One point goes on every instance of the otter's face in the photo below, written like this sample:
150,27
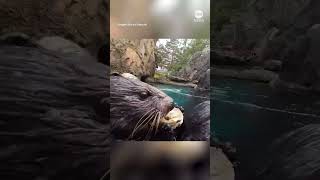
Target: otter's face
136,106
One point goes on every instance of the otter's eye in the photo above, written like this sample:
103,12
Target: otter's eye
145,94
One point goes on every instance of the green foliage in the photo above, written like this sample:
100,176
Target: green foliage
160,75
176,53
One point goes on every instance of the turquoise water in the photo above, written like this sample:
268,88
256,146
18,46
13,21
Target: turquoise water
183,96
251,114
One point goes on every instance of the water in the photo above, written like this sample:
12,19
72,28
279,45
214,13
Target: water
251,115
183,96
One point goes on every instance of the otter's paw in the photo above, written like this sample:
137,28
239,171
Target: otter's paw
173,119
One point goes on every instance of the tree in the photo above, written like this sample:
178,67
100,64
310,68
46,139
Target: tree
176,53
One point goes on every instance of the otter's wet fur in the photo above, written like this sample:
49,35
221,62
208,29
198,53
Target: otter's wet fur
53,109
294,156
196,126
136,108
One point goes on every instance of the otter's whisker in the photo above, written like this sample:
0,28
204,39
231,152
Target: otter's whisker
158,122
152,124
141,119
152,117
144,120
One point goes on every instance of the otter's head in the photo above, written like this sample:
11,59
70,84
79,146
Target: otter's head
136,107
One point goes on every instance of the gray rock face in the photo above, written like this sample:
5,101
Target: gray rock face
285,30
261,16
259,75
197,68
313,55
84,22
204,81
302,65
272,65
133,56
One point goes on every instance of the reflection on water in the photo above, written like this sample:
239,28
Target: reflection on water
245,111
183,96
251,115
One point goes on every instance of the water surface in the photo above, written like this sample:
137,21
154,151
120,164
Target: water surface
186,97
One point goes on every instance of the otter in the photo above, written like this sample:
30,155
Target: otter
138,110
53,110
294,155
196,126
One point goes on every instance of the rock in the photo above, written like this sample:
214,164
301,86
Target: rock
267,48
284,87
150,80
225,35
228,57
313,56
133,56
177,79
197,66
161,81
204,82
83,22
261,17
272,65
260,75
302,67
220,167
293,60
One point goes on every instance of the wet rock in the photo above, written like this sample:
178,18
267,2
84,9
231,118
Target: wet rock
260,75
313,55
257,74
177,79
228,57
272,65
204,81
267,45
220,167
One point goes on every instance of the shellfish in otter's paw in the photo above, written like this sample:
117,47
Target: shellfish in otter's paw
173,119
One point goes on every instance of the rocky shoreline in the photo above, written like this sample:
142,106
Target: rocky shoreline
164,81
259,75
